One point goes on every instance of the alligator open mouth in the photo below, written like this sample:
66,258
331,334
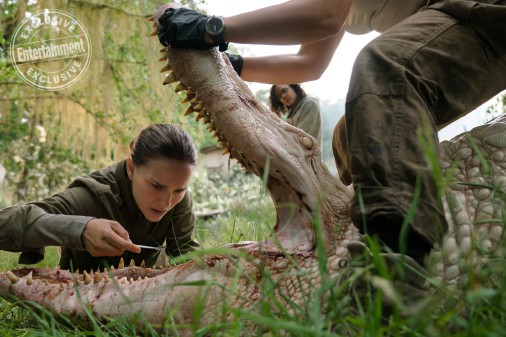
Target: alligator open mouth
260,141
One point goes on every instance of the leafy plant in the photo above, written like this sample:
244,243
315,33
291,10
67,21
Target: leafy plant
237,196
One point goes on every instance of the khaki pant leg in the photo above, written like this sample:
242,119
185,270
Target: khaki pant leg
339,148
429,69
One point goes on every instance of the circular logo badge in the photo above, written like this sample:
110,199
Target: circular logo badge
51,49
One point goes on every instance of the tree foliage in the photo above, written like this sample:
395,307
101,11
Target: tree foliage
48,137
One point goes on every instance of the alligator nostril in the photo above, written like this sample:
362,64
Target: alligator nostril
307,143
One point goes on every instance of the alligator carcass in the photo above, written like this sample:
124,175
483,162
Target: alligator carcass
313,225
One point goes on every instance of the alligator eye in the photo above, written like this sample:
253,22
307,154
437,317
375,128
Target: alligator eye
307,143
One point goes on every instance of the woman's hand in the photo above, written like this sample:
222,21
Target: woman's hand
103,237
181,27
160,11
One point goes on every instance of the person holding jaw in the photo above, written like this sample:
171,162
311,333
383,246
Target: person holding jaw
303,111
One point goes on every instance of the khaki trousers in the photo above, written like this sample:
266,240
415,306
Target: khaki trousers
425,72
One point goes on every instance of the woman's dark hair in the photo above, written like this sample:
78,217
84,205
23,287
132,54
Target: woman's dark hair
163,141
277,106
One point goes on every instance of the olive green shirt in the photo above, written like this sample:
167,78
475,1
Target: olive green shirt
60,220
306,116
379,15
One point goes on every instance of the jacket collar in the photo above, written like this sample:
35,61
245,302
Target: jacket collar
296,107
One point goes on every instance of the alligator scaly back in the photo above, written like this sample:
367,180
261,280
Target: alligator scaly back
474,166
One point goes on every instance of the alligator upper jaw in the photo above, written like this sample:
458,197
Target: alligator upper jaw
257,138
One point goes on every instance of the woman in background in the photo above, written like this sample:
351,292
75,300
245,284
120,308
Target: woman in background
303,110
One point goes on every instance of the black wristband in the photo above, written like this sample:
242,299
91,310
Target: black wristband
236,61
223,46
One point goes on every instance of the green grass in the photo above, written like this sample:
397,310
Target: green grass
478,309
10,260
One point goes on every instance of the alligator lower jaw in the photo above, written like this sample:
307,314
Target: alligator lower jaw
121,275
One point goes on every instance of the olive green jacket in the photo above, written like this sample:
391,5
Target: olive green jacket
306,116
59,221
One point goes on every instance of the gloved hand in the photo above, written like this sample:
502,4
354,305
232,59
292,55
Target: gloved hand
236,61
184,28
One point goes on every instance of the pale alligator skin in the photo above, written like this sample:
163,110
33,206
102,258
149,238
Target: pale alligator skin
302,189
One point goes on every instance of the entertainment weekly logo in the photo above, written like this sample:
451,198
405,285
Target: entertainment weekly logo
51,49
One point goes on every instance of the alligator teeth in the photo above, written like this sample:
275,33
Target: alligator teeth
167,67
131,280
188,97
143,264
200,115
162,50
13,278
96,277
123,280
194,100
207,119
163,58
198,107
227,151
189,111
29,279
132,263
86,277
180,87
171,78
151,18
106,278
154,33
121,264
189,91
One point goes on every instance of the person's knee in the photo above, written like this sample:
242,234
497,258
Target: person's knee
376,71
340,150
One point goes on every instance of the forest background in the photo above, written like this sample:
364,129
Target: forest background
47,138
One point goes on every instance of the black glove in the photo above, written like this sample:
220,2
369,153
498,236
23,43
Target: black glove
236,61
184,28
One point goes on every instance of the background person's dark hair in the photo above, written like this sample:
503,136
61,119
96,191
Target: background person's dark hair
163,141
277,106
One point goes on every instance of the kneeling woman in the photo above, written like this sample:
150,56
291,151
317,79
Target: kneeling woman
140,200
